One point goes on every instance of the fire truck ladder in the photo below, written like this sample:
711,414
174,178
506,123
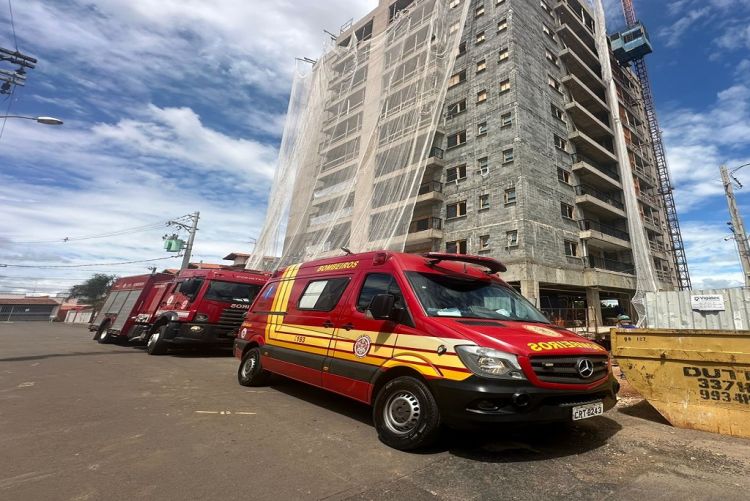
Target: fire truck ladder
665,184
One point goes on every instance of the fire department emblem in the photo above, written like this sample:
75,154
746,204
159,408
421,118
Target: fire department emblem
362,346
544,331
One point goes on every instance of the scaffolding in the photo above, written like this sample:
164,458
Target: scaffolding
360,127
641,47
646,278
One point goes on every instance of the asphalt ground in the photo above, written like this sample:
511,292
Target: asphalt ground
80,420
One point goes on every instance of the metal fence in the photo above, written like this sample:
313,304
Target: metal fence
79,317
26,312
673,310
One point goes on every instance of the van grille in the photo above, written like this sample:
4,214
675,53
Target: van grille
565,369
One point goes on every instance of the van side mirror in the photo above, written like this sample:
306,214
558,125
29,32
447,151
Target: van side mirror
382,307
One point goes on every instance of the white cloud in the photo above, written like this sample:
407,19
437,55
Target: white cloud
673,34
735,36
145,44
171,106
713,261
698,142
178,134
728,17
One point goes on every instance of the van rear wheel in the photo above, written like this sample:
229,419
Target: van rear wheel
250,372
406,414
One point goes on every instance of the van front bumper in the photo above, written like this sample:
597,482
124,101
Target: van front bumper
479,400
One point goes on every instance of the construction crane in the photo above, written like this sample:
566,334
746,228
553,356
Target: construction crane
631,46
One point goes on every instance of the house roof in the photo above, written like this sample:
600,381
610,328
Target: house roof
235,255
199,266
29,300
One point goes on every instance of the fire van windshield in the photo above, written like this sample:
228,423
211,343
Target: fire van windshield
447,296
231,292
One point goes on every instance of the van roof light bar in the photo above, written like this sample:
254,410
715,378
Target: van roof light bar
492,265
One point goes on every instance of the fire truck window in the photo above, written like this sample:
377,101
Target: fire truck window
231,292
323,295
191,286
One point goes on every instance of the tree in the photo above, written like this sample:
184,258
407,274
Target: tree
94,290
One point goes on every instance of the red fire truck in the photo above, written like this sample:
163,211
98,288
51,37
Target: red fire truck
127,297
204,307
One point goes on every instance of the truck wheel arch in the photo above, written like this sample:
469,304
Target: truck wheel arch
162,320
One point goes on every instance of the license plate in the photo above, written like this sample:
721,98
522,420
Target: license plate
588,410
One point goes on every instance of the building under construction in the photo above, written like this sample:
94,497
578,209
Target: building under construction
504,128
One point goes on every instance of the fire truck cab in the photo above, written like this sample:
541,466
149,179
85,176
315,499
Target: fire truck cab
426,340
199,307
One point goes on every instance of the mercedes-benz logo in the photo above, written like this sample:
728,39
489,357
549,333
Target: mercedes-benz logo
585,367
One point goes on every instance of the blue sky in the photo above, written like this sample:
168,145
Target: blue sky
172,106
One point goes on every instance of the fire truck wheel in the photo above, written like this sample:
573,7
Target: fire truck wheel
102,328
156,344
104,337
406,414
250,372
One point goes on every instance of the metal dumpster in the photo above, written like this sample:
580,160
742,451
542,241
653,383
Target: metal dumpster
697,379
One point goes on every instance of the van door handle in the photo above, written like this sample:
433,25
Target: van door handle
348,326
328,324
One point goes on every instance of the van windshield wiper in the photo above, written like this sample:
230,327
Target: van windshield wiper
529,321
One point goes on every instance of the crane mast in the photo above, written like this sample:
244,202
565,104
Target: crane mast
665,184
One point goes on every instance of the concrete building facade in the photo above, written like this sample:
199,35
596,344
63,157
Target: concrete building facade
522,166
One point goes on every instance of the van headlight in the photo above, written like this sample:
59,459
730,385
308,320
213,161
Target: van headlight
490,363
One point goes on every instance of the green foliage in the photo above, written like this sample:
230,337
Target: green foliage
94,290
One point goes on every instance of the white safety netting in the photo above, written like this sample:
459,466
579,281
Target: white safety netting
360,128
644,266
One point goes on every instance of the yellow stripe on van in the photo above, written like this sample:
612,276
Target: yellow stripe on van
281,300
300,347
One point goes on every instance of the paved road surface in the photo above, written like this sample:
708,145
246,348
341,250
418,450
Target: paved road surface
79,420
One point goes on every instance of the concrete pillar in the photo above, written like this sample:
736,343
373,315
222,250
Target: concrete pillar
530,290
594,308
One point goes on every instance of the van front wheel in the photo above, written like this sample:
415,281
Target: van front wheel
406,414
251,373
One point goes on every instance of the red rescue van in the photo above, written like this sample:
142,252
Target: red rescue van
426,340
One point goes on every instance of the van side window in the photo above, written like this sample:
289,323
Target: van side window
323,295
379,283
264,301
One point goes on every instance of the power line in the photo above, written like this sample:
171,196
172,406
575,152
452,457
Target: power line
5,265
13,24
115,233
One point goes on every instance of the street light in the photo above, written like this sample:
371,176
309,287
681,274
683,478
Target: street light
41,120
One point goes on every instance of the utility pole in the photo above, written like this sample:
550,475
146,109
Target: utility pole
189,247
737,226
10,79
